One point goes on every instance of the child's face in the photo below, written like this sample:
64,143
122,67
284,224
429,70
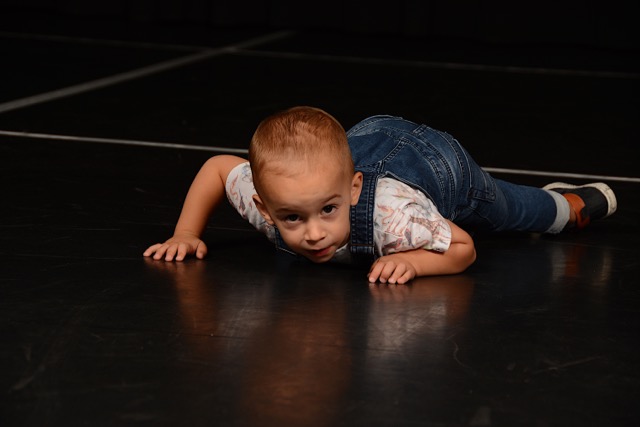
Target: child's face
310,207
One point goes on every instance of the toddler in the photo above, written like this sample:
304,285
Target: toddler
397,192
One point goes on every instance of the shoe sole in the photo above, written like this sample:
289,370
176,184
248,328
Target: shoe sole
612,203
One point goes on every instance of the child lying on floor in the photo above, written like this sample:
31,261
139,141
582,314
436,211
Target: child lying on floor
398,192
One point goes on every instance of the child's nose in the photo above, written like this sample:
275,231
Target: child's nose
314,231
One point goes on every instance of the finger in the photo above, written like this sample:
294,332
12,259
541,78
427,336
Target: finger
160,252
171,252
151,249
397,273
405,278
374,273
182,251
376,270
381,271
201,250
387,271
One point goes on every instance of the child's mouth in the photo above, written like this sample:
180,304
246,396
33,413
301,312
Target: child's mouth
319,253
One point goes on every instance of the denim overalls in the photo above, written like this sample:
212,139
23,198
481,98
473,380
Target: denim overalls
434,162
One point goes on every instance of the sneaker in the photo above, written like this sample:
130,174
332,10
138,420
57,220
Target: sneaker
590,202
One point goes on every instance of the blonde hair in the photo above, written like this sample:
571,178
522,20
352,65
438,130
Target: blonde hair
298,134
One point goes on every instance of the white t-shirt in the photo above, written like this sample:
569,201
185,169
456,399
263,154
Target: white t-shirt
404,218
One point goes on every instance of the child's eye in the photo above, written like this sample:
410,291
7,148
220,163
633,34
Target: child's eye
328,209
292,218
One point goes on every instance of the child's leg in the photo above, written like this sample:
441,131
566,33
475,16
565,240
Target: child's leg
486,203
550,209
505,206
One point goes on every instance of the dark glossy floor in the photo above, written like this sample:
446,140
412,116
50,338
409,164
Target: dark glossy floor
101,134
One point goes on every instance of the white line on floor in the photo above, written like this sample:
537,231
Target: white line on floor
132,142
240,50
135,74
561,174
244,151
443,65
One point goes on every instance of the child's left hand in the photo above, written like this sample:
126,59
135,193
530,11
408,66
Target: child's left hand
401,267
394,268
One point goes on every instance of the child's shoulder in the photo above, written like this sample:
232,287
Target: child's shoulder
241,170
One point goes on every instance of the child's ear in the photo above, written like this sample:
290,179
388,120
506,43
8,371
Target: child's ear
262,209
356,188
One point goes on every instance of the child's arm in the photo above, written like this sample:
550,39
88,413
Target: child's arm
205,193
403,266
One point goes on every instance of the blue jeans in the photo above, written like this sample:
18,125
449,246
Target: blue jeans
436,163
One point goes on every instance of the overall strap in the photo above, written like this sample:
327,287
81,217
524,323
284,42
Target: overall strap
362,244
281,245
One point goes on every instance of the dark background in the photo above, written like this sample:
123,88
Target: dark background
588,23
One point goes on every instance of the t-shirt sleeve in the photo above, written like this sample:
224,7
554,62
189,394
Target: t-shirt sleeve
406,219
240,190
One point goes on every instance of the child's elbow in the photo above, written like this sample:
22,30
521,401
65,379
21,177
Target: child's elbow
471,255
467,256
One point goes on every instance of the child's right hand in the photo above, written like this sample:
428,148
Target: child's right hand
177,247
